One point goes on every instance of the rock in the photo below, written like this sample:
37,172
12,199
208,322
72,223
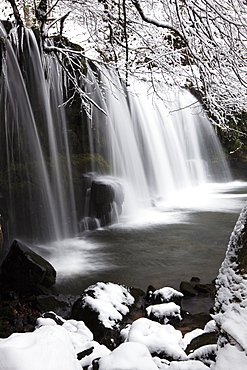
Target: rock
188,288
202,340
25,271
61,304
106,308
163,295
190,322
106,200
193,288
164,313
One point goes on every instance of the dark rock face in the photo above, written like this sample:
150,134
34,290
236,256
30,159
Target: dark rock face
25,271
106,201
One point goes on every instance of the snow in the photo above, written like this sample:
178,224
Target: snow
157,338
206,354
231,302
230,357
167,294
191,335
164,312
128,356
48,347
110,300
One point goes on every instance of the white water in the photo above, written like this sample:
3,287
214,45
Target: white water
159,148
161,152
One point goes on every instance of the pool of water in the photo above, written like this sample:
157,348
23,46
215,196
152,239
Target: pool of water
180,238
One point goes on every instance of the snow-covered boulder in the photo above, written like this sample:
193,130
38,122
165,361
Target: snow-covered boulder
161,340
128,356
163,295
48,347
105,307
181,365
164,312
231,301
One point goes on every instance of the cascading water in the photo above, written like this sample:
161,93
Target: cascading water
158,149
35,157
154,152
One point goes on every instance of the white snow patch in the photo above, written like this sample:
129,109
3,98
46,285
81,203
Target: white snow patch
230,357
110,300
128,356
167,294
157,338
164,311
48,347
206,354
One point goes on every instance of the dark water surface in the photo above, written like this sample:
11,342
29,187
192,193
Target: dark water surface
162,251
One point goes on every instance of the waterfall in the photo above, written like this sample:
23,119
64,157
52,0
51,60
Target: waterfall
157,146
153,148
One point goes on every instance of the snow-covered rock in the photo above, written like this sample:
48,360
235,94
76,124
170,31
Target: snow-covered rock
164,312
48,347
128,356
164,295
109,301
162,340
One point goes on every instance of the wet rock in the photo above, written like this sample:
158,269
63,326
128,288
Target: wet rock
61,304
190,322
106,199
25,271
188,288
202,340
192,288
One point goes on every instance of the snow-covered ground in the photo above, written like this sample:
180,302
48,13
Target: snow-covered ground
52,346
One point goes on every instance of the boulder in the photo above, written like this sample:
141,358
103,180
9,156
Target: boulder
191,288
27,272
106,308
163,295
106,199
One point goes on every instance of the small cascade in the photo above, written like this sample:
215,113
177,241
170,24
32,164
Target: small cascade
142,151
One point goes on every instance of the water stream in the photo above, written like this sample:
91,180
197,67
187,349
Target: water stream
161,247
